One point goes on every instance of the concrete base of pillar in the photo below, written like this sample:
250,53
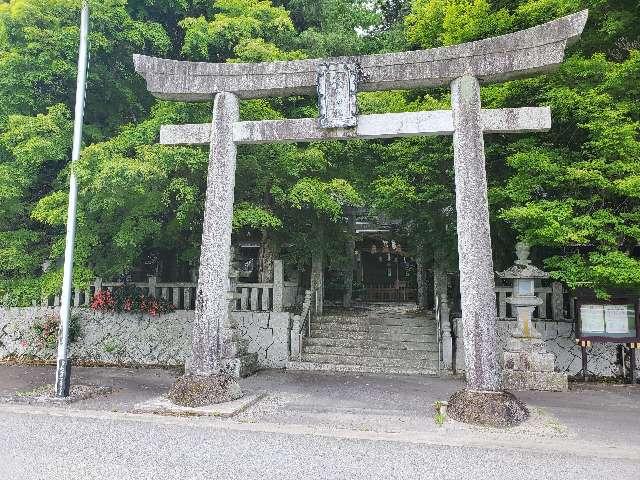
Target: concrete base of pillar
162,406
529,361
201,390
526,380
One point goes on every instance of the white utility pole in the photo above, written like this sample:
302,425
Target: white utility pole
63,370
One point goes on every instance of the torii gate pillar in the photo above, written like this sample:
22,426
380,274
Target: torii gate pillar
477,292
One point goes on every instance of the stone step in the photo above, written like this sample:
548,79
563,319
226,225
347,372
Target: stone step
389,321
345,327
373,336
370,352
333,367
371,361
430,345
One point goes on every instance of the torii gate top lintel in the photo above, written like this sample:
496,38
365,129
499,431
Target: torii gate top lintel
514,55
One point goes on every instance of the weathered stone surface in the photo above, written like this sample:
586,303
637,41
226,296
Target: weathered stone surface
109,339
558,338
387,125
519,380
144,340
337,87
200,390
539,361
212,330
494,409
514,55
521,344
386,342
474,239
267,338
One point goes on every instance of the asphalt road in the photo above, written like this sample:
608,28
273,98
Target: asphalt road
55,445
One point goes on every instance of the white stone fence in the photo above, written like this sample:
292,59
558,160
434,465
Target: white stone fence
552,307
264,297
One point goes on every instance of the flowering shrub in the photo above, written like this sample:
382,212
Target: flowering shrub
130,299
45,331
103,301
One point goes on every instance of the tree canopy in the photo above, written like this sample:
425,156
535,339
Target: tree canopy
573,193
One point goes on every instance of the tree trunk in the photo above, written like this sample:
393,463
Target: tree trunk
350,246
265,258
421,277
440,279
317,271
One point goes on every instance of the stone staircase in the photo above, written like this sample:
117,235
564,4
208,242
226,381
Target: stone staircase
381,339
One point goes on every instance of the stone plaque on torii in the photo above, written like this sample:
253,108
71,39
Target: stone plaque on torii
336,81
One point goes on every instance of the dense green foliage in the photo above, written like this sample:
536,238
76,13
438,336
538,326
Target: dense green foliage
573,193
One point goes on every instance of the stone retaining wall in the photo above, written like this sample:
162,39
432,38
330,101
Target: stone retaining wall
139,340
559,339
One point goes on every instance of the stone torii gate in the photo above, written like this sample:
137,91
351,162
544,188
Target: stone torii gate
336,81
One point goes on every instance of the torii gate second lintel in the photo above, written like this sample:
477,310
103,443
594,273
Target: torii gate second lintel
465,66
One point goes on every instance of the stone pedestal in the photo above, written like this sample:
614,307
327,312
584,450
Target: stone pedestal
528,366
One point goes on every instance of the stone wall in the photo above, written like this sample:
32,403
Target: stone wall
139,340
268,334
559,339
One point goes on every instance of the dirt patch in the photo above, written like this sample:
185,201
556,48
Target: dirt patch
47,394
494,409
202,390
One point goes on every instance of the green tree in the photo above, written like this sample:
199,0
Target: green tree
571,192
38,55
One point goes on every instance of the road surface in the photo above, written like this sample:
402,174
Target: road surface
58,443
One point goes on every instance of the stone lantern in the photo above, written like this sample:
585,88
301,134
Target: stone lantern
527,364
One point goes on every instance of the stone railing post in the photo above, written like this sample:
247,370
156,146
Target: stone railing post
317,279
278,285
97,285
459,359
445,329
295,338
152,282
421,277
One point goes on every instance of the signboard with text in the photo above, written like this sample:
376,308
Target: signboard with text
608,321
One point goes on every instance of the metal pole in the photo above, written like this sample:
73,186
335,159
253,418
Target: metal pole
63,369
